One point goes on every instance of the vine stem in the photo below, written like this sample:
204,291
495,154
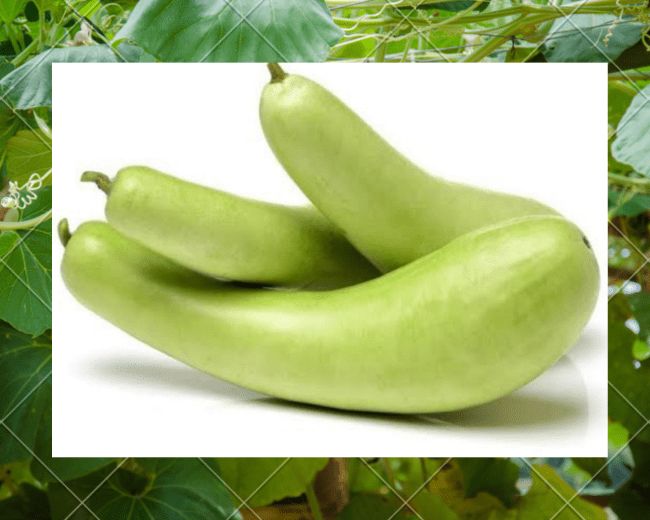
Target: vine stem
312,500
626,76
633,182
25,224
470,17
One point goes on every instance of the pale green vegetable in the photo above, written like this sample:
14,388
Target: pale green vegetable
389,208
462,326
226,236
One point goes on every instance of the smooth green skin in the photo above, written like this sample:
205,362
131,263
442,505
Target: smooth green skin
389,208
230,237
462,326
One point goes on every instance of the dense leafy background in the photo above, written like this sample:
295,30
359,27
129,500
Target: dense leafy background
34,486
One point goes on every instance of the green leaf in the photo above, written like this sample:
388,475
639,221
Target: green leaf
495,476
59,468
633,134
631,504
195,30
542,500
10,9
431,506
369,506
460,5
621,255
9,123
641,453
146,489
628,205
25,362
30,503
617,436
361,479
16,472
26,274
640,350
640,306
603,468
245,476
583,38
62,467
618,308
619,97
30,85
628,379
5,68
28,152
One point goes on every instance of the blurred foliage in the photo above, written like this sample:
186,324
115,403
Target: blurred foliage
35,486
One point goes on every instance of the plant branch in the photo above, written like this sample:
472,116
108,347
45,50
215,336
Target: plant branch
26,224
312,500
639,184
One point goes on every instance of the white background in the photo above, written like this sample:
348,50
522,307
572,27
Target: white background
533,130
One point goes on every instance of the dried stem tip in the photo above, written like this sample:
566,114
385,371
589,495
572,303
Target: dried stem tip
277,74
102,180
64,231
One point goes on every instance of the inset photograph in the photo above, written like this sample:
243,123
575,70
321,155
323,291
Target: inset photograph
330,260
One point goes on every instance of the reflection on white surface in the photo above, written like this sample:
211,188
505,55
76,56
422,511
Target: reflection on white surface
554,406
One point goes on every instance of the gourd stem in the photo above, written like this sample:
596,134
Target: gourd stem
64,231
277,74
102,180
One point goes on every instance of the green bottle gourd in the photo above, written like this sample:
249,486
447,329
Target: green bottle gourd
463,325
230,237
389,208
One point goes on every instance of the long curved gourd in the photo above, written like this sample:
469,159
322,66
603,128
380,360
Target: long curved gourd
464,325
230,237
390,209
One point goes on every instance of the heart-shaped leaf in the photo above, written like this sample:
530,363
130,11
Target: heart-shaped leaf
26,390
223,30
633,134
